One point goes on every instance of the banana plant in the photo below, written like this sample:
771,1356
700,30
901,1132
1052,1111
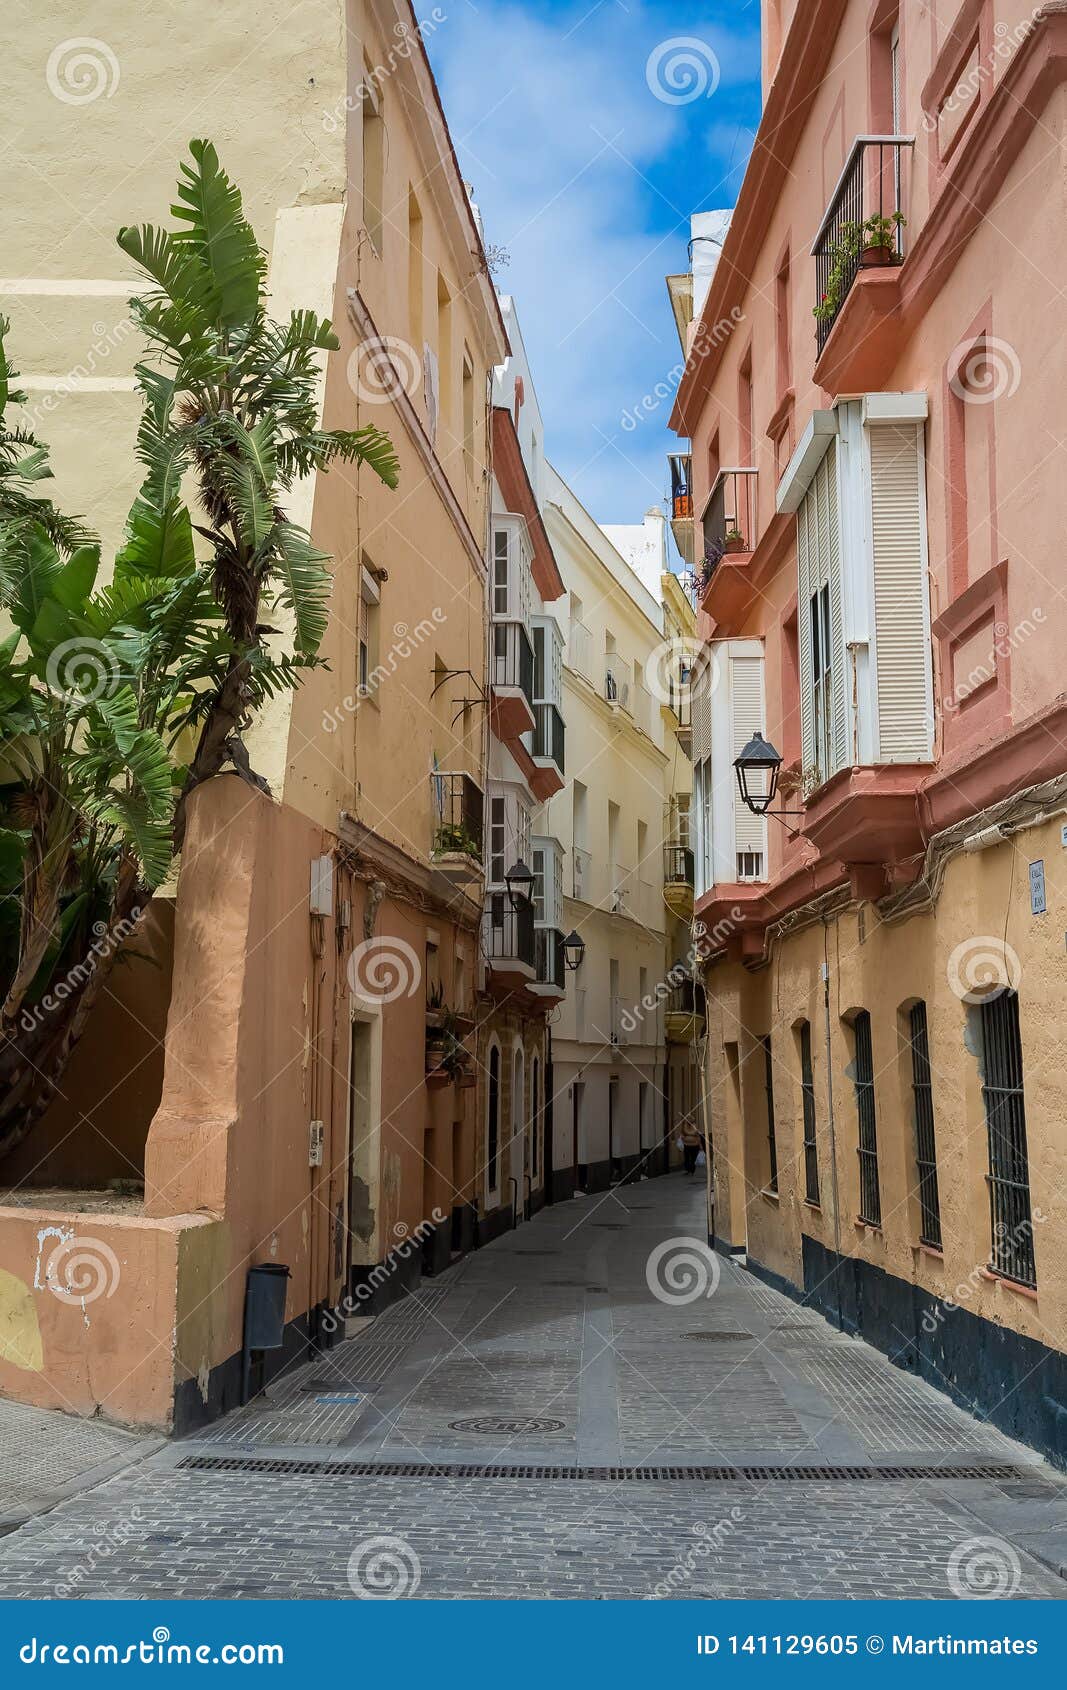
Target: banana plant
232,397
103,688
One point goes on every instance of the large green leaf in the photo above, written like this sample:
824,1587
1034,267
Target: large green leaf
30,568
304,584
218,235
159,539
177,269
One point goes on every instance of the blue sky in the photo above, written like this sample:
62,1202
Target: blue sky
588,178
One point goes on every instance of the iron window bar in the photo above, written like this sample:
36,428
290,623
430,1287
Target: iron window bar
678,865
513,658
870,1195
925,1149
768,1082
1011,1226
807,1092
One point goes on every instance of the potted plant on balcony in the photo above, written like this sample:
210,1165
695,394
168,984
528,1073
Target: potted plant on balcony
453,837
878,239
435,1006
734,542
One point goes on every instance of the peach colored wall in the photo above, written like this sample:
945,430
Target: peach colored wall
96,1131
113,1352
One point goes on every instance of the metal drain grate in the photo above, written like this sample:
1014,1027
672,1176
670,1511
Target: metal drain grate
607,1475
719,1337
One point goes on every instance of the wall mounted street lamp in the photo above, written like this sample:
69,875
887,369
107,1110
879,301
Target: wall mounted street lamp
757,768
573,951
520,884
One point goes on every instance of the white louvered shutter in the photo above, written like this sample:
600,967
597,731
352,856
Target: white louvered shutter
838,656
700,701
805,588
746,704
902,645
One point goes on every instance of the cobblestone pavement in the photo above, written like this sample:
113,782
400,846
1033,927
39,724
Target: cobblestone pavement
550,1349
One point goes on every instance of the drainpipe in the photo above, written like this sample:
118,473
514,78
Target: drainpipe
833,1134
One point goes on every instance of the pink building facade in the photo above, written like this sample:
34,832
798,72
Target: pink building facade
871,394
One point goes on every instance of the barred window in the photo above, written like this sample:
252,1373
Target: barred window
870,1195
925,1151
807,1090
1009,1167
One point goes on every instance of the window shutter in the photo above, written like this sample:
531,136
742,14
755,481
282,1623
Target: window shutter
700,701
902,647
838,655
746,698
806,584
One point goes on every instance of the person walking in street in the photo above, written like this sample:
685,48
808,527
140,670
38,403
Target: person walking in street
692,1144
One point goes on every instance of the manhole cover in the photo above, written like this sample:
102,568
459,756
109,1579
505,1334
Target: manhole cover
523,1425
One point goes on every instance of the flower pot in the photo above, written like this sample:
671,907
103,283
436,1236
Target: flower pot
732,547
873,256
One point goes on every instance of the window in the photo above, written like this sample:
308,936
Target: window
750,865
501,571
925,1156
1009,1167
781,312
492,1145
821,680
415,268
535,1118
538,867
870,1196
768,1085
373,160
369,605
444,351
468,411
497,840
807,1092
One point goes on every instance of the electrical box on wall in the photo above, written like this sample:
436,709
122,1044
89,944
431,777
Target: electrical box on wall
322,886
315,1142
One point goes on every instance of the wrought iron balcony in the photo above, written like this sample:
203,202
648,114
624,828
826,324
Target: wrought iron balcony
685,1012
864,223
549,734
729,522
681,464
509,934
678,865
616,681
458,810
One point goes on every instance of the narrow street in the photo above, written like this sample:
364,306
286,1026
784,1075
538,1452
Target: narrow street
548,1349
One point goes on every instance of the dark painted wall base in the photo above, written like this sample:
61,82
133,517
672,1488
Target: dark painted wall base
375,1288
562,1185
224,1381
436,1250
464,1227
594,1176
494,1224
537,1199
973,1361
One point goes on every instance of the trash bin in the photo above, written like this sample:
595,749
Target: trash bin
265,1306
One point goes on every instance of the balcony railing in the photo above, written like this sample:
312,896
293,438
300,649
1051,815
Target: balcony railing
513,658
681,485
458,809
864,223
549,733
686,998
548,944
729,516
509,933
678,865
580,650
616,681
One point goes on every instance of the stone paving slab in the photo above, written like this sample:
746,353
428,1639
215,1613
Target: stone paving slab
45,1453
557,1322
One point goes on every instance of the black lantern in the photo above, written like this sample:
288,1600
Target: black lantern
520,884
573,950
757,774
